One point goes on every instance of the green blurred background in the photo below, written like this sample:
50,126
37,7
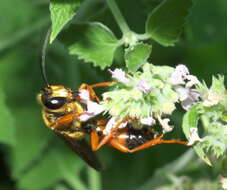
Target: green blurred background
32,158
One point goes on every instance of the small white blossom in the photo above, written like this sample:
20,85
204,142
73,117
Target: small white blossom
223,181
179,75
192,80
182,70
120,75
187,96
144,86
93,109
194,136
147,121
84,96
176,79
111,124
165,124
183,92
212,99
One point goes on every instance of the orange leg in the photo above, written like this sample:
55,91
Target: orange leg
61,122
68,118
92,93
94,139
123,148
106,138
117,145
102,84
156,141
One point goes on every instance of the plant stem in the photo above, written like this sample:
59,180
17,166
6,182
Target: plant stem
94,179
75,183
205,122
174,167
118,17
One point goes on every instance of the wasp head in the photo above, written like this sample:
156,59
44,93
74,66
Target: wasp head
55,97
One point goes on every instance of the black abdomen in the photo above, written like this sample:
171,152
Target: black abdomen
137,137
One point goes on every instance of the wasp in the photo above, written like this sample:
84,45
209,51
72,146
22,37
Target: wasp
61,109
61,113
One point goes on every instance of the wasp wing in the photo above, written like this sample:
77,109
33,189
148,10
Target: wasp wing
83,149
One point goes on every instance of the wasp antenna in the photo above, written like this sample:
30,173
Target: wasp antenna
44,51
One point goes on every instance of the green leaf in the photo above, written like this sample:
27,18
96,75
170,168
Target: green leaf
136,56
165,23
190,120
7,130
32,138
92,42
61,11
58,164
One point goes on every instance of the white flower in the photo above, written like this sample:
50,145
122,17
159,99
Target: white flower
93,109
144,86
84,96
120,75
165,124
194,137
212,99
179,75
182,70
192,80
182,92
223,181
111,124
147,121
187,96
176,79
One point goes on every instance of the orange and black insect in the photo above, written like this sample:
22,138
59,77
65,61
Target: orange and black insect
61,111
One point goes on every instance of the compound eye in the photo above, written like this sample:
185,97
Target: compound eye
54,103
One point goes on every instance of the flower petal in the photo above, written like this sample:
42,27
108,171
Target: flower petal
194,136
94,108
120,75
165,124
84,95
144,86
192,80
112,123
148,121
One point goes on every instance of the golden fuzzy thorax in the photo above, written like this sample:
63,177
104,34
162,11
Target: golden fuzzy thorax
51,116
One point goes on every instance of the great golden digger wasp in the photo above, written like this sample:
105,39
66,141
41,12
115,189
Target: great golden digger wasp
63,112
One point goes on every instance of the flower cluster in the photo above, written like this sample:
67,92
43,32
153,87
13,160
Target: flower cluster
183,83
151,94
213,113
